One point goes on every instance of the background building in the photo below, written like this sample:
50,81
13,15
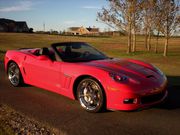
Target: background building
83,31
7,25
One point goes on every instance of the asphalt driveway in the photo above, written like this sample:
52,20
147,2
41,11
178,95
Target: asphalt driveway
66,115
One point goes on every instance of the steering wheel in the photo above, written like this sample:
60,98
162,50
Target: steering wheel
85,54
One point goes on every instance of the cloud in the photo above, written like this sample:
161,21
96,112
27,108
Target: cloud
91,7
21,6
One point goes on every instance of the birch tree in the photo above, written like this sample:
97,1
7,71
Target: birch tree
148,7
171,20
120,16
136,21
158,21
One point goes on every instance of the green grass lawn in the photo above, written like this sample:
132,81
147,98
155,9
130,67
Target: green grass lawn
112,46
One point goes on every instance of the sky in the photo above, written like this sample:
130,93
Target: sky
55,14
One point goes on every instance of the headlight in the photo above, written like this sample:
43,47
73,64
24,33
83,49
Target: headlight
117,77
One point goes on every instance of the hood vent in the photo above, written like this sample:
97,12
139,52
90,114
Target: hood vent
149,76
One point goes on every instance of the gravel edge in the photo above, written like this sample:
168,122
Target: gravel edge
13,122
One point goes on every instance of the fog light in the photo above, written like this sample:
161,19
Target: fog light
130,101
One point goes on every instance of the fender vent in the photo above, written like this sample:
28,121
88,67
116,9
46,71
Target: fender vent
149,76
24,70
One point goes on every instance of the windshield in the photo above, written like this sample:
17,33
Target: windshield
78,52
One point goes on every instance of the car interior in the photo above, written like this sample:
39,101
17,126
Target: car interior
45,51
69,53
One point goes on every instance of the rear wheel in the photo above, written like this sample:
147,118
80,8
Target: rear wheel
14,74
90,95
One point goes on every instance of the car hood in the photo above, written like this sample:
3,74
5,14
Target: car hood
127,67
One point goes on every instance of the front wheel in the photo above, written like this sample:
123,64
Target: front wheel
90,95
14,74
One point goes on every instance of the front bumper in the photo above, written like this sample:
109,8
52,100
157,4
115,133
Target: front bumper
138,100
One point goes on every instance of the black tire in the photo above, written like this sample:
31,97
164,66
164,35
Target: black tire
90,95
14,75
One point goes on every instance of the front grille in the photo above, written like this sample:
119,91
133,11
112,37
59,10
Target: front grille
152,98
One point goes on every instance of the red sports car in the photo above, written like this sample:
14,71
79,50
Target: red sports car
79,71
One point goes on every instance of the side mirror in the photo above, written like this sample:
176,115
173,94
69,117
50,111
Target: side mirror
43,57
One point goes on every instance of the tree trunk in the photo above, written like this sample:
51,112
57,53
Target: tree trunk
166,46
134,32
146,37
149,41
129,42
129,38
157,41
134,42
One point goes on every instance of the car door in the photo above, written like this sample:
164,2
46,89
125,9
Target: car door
43,72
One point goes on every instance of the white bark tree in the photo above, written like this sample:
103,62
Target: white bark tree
121,15
171,20
148,7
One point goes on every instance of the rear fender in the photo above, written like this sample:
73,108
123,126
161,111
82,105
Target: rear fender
14,56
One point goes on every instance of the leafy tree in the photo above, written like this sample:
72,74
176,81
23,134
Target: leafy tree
148,8
152,16
171,20
121,15
158,21
136,20
30,30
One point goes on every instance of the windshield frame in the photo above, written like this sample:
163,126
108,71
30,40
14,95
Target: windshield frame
55,45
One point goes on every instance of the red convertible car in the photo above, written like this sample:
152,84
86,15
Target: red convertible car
79,71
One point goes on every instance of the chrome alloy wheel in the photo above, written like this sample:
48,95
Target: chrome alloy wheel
90,95
14,74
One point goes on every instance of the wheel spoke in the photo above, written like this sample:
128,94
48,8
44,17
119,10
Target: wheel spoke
13,74
89,95
81,96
